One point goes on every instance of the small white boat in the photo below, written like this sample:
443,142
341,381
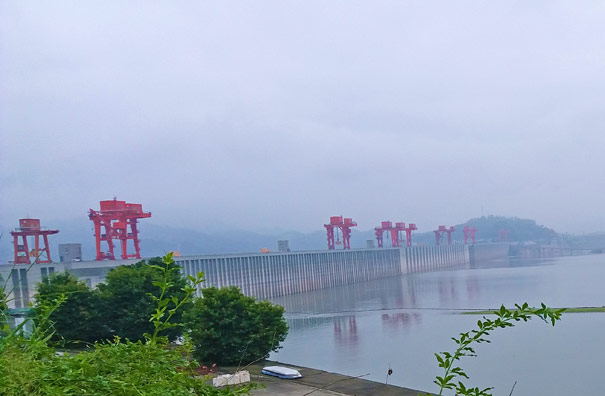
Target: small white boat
281,372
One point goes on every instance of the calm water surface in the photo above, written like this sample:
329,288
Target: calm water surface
400,322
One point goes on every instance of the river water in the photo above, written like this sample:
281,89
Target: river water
401,322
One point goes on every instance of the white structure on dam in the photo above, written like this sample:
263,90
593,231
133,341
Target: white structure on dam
262,275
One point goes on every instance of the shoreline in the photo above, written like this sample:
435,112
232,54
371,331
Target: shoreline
318,382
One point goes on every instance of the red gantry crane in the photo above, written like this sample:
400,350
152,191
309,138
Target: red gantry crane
27,228
408,231
386,226
440,231
116,217
337,222
396,238
469,233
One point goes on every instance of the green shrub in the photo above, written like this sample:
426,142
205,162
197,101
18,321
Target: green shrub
29,366
3,310
227,327
80,318
3,300
131,368
128,298
121,306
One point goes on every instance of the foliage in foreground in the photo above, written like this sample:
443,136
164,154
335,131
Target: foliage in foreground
120,307
130,293
30,366
3,302
80,318
116,368
504,318
227,327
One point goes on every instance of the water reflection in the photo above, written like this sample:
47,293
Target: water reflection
401,320
345,331
357,328
439,290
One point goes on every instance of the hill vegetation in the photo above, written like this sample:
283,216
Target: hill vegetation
519,230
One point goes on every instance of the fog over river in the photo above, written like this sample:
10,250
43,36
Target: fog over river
401,322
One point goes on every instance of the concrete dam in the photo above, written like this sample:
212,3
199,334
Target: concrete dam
267,275
262,275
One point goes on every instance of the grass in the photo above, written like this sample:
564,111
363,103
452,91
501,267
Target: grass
567,310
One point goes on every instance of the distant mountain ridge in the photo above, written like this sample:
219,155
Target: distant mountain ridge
158,239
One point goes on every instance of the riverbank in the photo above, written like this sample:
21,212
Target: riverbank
565,310
319,383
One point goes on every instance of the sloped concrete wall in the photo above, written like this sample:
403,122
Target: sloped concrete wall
276,274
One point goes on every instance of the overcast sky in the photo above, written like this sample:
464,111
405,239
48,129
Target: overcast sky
278,114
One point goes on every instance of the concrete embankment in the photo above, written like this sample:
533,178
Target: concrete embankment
320,383
488,251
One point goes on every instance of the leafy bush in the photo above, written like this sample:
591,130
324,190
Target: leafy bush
22,359
80,318
130,368
227,327
119,307
3,302
29,365
128,298
3,310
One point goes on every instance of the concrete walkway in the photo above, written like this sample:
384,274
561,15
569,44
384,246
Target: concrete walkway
321,383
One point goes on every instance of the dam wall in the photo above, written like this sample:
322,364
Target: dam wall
488,251
262,275
267,275
433,258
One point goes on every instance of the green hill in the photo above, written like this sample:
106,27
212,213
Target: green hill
519,230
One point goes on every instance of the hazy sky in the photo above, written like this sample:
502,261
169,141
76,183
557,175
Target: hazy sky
278,114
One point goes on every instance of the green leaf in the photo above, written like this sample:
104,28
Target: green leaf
163,303
160,284
505,319
439,359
